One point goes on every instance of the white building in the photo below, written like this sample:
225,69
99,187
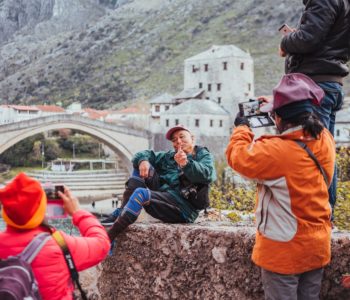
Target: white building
161,104
202,117
225,73
17,113
342,125
133,117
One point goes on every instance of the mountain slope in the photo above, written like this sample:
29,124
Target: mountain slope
136,49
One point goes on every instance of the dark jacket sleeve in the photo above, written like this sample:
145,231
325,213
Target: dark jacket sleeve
201,169
148,155
316,22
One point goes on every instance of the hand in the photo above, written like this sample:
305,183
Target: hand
181,157
144,167
264,99
281,52
241,120
70,203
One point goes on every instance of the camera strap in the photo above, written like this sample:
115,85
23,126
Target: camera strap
313,157
69,260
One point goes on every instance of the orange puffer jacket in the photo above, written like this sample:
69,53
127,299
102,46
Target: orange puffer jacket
292,209
49,267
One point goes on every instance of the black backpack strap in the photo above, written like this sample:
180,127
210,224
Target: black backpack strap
69,260
313,157
34,247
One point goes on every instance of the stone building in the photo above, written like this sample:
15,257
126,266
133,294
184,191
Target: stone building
225,74
215,81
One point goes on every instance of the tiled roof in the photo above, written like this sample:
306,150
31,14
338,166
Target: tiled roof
220,52
95,114
197,107
163,99
23,107
50,108
189,93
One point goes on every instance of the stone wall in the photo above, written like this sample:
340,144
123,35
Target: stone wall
201,261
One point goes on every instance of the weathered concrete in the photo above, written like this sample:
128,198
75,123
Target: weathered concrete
202,261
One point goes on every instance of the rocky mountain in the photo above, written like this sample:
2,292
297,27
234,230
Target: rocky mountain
104,52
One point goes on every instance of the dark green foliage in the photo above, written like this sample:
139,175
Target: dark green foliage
21,153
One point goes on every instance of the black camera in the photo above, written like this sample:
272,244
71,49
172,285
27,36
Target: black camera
256,118
189,192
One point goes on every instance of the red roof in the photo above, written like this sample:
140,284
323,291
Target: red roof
95,114
132,110
50,108
23,107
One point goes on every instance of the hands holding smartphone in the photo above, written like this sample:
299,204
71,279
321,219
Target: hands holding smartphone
60,202
285,29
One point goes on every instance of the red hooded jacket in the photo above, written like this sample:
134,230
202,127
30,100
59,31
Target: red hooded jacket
49,267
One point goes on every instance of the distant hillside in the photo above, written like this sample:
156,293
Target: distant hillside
105,52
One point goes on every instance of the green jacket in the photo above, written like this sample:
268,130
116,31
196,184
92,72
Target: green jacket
199,169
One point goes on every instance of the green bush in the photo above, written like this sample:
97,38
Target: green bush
227,196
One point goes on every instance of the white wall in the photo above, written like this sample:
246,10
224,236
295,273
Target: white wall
236,85
204,127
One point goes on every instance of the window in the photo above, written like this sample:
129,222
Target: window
338,132
220,123
157,108
211,123
200,85
194,69
207,98
219,100
176,121
218,86
167,107
167,123
242,66
196,122
225,65
206,67
209,87
249,87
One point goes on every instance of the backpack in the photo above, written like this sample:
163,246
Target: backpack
17,280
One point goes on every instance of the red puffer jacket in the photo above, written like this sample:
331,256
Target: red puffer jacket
49,267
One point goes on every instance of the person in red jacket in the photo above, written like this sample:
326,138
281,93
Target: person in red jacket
23,209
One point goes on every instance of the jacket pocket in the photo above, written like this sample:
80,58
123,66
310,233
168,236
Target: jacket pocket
274,216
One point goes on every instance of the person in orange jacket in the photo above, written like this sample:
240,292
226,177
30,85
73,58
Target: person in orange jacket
292,210
23,203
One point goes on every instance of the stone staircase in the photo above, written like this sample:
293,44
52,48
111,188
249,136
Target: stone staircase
87,185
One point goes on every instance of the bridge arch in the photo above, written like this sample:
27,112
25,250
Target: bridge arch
125,142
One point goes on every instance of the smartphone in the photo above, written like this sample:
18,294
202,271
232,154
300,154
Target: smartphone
54,208
285,29
256,118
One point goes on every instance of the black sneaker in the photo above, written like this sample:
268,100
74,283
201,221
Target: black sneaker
111,219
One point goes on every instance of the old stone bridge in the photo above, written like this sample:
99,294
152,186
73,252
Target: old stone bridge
125,142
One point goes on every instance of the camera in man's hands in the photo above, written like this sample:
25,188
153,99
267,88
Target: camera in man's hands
251,110
189,192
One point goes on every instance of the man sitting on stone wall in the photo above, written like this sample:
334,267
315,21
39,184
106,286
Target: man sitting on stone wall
163,183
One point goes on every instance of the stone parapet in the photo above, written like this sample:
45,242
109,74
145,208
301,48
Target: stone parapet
197,261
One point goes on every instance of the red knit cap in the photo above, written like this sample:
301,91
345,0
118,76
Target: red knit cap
23,202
